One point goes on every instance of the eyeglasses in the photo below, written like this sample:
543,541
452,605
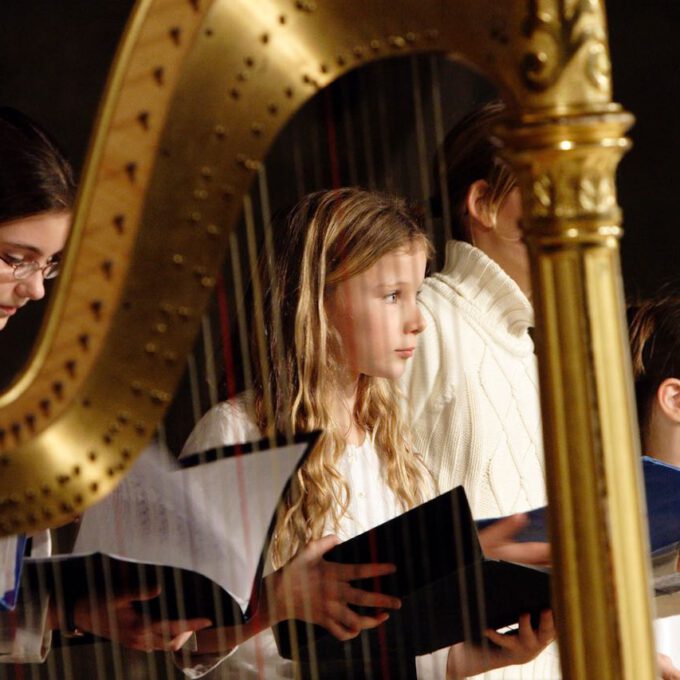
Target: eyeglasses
26,269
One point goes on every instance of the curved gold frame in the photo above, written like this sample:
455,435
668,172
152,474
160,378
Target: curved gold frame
198,92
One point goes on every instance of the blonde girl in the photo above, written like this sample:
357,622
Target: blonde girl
340,323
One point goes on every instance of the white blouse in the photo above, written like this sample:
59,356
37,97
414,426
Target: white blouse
372,502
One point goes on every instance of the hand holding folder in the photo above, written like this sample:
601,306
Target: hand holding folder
186,533
325,593
450,591
163,529
499,540
662,490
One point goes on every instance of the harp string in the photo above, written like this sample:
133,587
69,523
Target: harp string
260,334
264,259
422,186
268,226
195,396
348,127
100,663
331,140
209,350
318,174
225,334
43,590
102,667
367,144
151,662
165,616
230,382
421,144
467,598
113,623
440,134
298,163
60,597
242,323
35,673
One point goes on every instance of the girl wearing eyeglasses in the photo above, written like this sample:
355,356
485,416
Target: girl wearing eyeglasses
36,195
37,192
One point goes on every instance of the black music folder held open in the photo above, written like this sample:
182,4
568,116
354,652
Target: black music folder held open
450,592
176,525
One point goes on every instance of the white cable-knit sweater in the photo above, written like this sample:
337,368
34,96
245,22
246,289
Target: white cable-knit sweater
473,388
473,402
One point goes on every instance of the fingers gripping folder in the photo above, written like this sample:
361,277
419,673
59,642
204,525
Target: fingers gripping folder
450,592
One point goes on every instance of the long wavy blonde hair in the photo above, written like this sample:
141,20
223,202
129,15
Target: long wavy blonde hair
330,236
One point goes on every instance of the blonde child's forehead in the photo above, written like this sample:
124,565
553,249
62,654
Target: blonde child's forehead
403,263
413,247
418,245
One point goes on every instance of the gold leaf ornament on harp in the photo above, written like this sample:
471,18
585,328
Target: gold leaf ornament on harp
557,30
543,193
579,188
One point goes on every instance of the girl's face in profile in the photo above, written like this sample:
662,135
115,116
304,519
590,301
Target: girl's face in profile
376,315
39,239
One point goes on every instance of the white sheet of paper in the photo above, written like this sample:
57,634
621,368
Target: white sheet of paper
185,518
8,561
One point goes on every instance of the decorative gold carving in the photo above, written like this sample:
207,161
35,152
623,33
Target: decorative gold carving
568,166
598,66
557,30
596,193
575,188
543,194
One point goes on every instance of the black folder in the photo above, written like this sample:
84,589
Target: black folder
450,592
185,593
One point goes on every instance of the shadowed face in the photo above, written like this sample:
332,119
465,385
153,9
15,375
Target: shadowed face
505,244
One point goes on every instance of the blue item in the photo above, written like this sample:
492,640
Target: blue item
662,488
9,599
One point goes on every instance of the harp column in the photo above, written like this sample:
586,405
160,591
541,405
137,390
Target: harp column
566,165
565,142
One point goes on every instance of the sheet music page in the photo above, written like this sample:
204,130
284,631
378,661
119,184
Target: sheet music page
211,518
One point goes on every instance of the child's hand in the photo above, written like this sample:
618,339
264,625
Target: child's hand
118,620
466,659
497,542
666,668
311,589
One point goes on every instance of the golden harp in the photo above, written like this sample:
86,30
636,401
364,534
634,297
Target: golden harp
199,91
